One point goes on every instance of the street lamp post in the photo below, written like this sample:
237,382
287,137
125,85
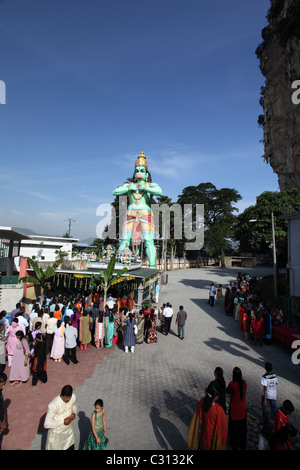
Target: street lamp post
274,250
274,257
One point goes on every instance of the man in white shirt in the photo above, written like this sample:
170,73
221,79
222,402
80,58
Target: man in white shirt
50,324
212,294
30,307
269,382
61,412
33,314
110,302
168,313
22,320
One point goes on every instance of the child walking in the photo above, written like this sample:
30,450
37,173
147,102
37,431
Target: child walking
97,438
269,382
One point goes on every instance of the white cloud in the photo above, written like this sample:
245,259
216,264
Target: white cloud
174,164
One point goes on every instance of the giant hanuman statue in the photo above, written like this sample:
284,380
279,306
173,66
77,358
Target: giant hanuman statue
279,55
139,222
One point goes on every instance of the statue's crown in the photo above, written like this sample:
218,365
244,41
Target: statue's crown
141,161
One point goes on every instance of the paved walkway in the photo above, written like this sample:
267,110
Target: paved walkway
150,396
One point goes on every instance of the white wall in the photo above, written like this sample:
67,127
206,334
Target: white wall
44,251
10,295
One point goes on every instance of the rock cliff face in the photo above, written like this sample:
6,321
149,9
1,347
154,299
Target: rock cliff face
279,56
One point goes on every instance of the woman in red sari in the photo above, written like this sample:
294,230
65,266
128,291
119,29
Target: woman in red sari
246,324
123,302
258,328
241,315
214,427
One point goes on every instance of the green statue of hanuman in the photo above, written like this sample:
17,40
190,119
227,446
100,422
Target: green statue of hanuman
139,222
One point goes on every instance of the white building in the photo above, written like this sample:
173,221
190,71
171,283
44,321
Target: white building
44,248
293,265
14,245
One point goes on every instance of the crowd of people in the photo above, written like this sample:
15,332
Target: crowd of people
254,315
220,426
54,329
255,318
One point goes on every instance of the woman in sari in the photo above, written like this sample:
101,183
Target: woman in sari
246,323
109,326
277,316
151,330
38,367
258,328
219,384
85,336
129,336
75,318
219,293
123,301
99,331
241,315
19,372
227,302
140,321
117,336
130,302
58,346
12,339
214,425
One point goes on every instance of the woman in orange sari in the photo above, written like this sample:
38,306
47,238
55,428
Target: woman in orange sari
214,427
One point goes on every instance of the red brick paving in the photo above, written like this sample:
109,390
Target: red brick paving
27,406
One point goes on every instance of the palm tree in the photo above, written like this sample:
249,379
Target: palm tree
107,277
42,277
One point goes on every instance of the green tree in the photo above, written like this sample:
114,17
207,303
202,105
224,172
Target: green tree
256,237
42,278
98,246
106,277
218,213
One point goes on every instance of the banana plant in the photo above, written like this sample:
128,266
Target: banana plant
106,277
42,277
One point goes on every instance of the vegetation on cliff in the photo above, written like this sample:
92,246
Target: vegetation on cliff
282,26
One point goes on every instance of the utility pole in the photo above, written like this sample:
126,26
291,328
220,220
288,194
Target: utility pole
70,226
274,250
274,257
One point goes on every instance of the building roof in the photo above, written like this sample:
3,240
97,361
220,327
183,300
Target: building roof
83,245
54,239
292,215
8,233
143,272
138,273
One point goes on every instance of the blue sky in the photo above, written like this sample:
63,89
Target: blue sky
90,84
